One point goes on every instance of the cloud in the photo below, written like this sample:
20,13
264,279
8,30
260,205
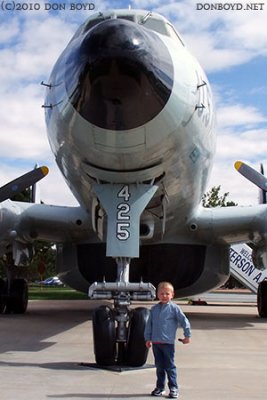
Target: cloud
37,47
240,190
241,135
220,39
9,30
211,56
239,115
22,130
52,189
30,44
247,29
249,144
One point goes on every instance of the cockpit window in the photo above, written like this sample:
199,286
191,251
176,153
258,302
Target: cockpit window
148,20
128,17
160,26
173,34
156,25
103,17
95,21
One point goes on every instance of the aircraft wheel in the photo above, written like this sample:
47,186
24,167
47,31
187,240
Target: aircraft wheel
136,352
17,299
262,299
121,353
104,334
2,295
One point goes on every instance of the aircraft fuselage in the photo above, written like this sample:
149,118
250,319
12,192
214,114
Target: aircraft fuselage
129,104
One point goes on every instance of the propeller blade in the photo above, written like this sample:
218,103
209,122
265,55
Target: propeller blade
23,182
252,175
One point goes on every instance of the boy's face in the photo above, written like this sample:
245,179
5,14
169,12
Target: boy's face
165,294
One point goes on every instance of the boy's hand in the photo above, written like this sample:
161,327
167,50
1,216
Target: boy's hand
148,344
185,340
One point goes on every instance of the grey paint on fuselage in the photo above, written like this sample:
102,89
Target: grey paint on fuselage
177,143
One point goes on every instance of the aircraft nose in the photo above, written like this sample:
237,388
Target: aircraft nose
120,76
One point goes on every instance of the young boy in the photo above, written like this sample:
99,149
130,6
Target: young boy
164,319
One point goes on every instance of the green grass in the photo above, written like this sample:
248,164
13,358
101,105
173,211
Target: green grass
54,293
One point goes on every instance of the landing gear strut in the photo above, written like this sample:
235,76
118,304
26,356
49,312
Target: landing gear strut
119,332
17,297
13,291
262,299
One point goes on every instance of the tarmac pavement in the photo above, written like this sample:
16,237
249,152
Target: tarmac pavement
48,354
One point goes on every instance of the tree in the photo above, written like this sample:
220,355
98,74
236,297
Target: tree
213,198
25,196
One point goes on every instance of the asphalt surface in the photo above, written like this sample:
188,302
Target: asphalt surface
48,354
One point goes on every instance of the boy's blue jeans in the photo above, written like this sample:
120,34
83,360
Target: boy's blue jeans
164,361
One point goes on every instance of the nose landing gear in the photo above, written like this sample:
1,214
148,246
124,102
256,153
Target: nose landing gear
119,332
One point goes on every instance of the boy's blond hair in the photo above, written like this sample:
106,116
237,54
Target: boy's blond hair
165,284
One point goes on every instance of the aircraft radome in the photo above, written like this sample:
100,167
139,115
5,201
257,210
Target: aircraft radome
130,120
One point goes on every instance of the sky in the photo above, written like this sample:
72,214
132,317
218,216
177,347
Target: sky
230,43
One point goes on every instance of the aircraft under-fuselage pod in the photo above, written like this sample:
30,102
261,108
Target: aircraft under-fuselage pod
130,121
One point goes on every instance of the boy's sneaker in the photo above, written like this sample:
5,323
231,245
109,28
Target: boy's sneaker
158,392
173,393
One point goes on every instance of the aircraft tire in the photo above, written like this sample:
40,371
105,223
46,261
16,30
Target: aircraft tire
262,299
2,295
136,352
17,300
104,334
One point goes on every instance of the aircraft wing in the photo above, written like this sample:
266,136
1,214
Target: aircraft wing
26,222
230,225
236,224
22,223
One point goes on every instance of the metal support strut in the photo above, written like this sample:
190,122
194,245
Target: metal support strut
123,268
123,205
123,300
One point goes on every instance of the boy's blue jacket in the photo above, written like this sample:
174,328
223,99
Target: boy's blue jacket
163,321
